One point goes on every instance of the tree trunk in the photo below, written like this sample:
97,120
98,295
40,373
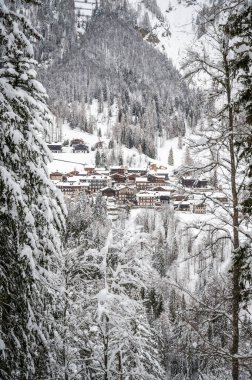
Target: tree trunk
66,377
106,346
120,368
236,270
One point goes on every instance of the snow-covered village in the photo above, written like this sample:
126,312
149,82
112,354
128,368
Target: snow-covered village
152,186
125,190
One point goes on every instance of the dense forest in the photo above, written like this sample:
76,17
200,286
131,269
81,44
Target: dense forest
155,294
113,64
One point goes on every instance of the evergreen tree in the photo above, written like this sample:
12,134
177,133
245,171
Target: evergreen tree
214,179
170,158
97,158
145,24
159,259
120,158
180,143
103,161
238,29
31,215
83,278
111,144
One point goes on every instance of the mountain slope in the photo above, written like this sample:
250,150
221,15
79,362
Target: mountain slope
112,63
146,15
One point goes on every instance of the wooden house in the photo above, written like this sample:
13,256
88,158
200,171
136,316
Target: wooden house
73,189
220,197
56,176
164,189
163,173
80,148
165,199
146,199
98,182
55,147
155,179
149,182
117,169
125,194
118,178
141,183
108,192
89,169
131,177
73,173
199,208
192,182
139,171
75,142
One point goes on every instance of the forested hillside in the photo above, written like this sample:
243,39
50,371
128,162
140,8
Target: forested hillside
112,63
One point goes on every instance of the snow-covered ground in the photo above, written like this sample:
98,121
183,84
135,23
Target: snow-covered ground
179,19
163,153
79,160
104,124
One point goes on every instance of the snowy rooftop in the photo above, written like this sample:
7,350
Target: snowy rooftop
120,187
137,169
142,179
56,143
94,176
100,169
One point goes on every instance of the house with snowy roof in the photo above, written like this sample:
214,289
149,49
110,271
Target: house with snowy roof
55,147
125,194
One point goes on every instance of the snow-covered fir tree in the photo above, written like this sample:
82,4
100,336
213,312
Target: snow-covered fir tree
170,158
31,213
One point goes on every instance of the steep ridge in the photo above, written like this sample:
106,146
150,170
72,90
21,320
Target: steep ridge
113,62
148,18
